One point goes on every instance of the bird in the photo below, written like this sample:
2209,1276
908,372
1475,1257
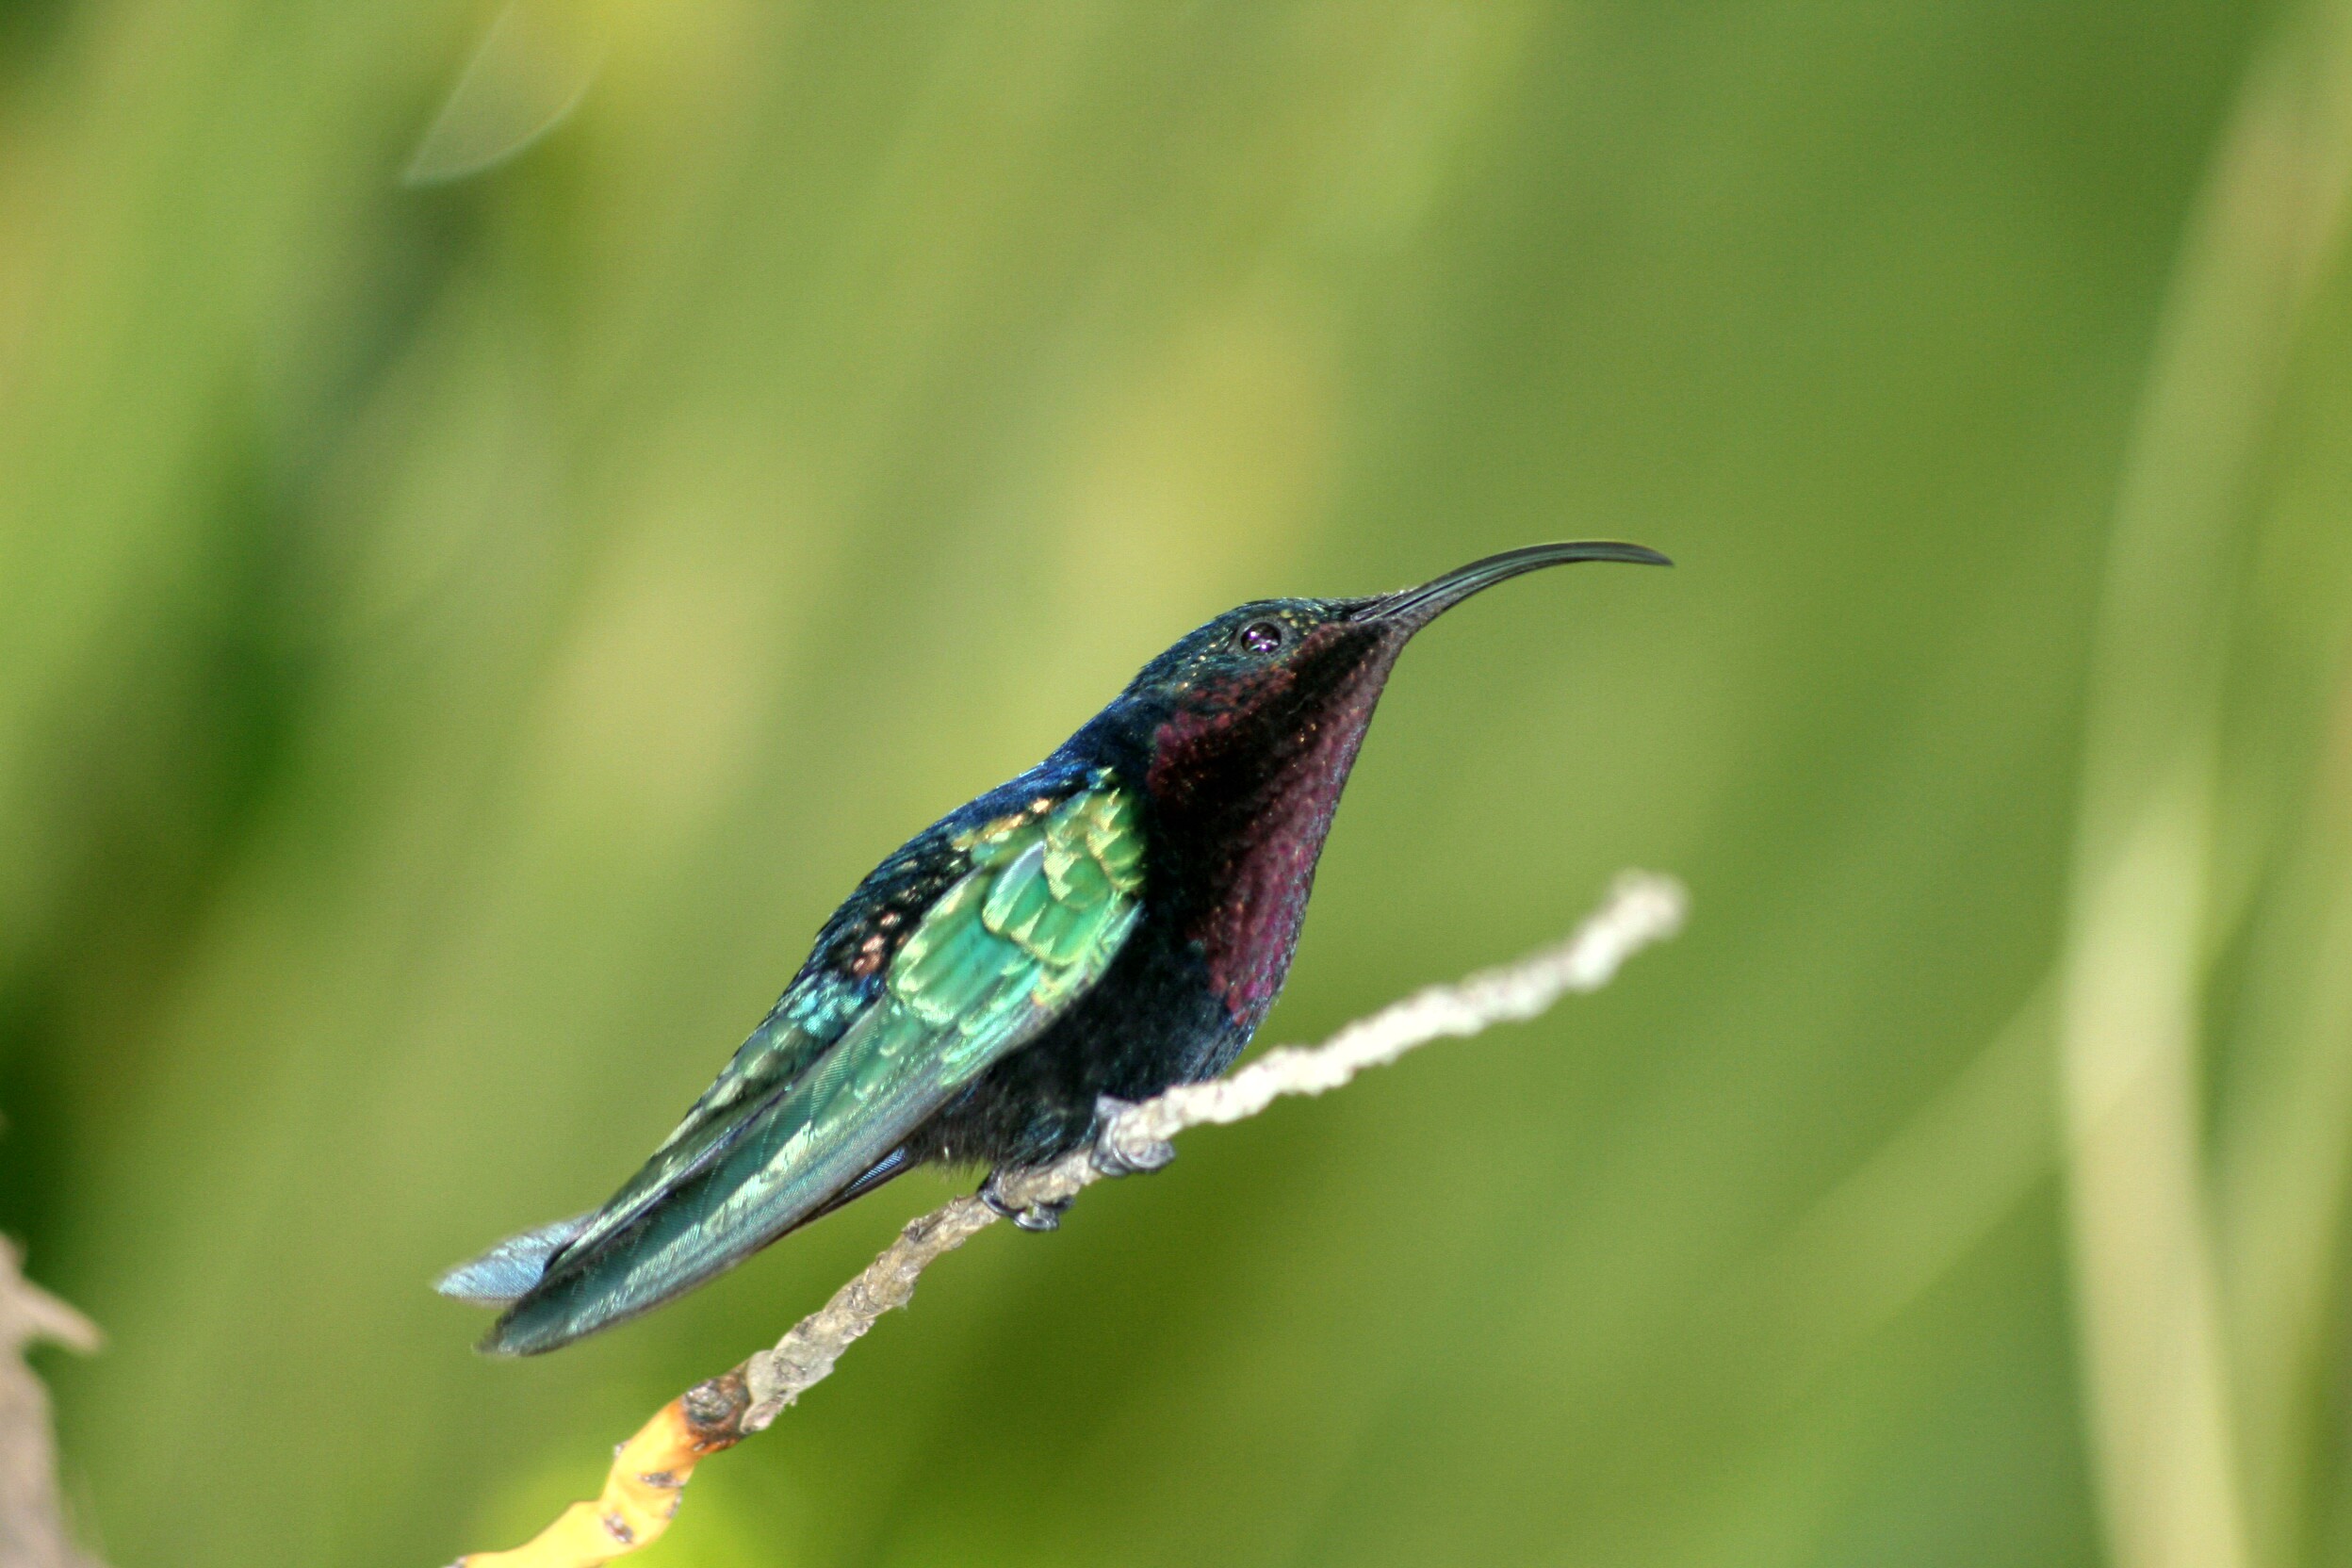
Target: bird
1114,921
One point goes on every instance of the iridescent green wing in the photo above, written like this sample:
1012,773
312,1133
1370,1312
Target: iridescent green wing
808,1021
805,1023
1052,895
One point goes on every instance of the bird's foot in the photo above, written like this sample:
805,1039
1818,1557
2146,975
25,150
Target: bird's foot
1029,1217
1115,1155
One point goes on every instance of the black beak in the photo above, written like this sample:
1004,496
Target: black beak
1415,608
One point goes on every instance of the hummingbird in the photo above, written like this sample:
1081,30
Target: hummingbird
1114,921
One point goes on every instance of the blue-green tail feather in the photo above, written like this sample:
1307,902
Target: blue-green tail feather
1041,898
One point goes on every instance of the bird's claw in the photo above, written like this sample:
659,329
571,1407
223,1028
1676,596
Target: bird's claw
1029,1217
1115,1155
1041,1217
1112,1155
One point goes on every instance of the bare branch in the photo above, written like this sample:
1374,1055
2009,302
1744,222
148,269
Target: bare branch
32,1526
650,1471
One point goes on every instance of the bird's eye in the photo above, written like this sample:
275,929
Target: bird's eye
1259,637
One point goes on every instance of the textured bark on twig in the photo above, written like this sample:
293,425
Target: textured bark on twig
649,1472
33,1532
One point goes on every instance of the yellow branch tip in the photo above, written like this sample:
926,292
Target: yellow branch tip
641,1494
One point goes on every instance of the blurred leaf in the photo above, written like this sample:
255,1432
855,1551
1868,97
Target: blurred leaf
530,73
2164,1423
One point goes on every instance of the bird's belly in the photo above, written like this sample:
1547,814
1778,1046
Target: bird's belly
1151,1021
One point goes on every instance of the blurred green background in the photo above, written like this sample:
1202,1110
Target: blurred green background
457,643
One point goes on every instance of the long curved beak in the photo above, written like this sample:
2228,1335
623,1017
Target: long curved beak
1415,608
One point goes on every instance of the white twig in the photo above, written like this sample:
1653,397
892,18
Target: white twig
649,1472
32,1526
1641,908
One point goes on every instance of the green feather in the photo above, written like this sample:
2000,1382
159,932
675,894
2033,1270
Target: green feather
1050,896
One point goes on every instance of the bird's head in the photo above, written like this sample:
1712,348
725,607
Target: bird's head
1245,732
1279,691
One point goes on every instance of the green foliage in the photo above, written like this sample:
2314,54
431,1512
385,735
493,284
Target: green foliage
457,643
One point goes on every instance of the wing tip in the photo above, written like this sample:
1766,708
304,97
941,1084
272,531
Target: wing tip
508,1271
549,1313
569,1307
505,1343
